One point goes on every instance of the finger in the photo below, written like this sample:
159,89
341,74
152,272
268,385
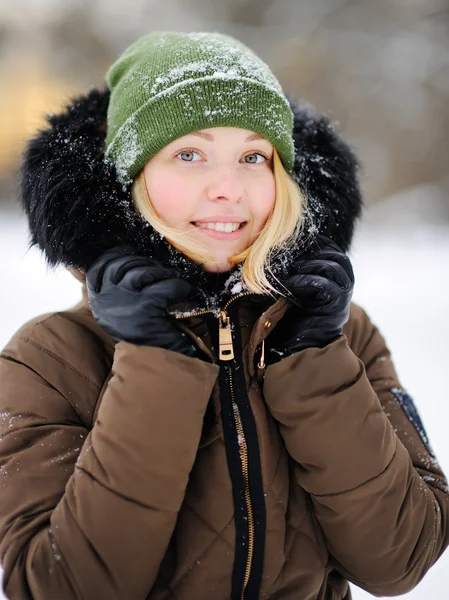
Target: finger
95,273
342,259
323,247
331,270
141,275
312,287
119,269
344,269
324,242
326,254
170,291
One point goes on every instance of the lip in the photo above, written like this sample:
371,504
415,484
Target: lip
220,235
220,219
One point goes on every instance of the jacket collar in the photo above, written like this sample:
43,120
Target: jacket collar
77,208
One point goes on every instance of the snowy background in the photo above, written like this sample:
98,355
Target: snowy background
402,266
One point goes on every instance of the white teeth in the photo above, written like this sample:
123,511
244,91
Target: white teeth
228,227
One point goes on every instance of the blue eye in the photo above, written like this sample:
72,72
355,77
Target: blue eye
257,155
190,154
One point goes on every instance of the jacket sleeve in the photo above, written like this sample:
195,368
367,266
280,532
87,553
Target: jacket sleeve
89,514
362,454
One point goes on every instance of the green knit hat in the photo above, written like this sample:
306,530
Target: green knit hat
169,84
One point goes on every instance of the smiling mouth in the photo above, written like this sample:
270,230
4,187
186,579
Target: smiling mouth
242,224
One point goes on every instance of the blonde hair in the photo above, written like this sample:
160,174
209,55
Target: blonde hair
280,231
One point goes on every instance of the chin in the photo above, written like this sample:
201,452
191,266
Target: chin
217,267
221,263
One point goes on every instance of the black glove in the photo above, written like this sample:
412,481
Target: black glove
321,287
129,297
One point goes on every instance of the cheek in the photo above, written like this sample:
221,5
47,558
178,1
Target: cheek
169,196
263,198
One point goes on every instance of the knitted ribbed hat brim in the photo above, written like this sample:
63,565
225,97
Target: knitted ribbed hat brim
245,107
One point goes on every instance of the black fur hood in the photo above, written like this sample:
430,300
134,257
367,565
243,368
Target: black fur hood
77,208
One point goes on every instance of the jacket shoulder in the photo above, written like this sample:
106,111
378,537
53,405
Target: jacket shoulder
364,338
358,329
66,349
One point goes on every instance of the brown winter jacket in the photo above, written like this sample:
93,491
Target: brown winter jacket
115,486
133,473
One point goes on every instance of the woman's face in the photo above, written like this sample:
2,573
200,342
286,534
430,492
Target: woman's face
221,176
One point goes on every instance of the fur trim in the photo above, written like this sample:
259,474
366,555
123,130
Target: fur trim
326,169
77,208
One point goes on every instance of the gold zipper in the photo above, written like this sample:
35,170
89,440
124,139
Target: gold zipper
201,312
243,451
226,352
261,363
226,348
214,310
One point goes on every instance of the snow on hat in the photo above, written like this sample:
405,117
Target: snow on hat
168,84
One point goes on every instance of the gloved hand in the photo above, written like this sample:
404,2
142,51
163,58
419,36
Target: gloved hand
322,286
129,297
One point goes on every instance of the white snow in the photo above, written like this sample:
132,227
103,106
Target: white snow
402,281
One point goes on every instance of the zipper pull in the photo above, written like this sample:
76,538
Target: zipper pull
226,350
261,363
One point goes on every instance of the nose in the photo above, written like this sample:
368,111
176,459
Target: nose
225,184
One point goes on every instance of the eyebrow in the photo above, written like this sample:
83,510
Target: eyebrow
210,138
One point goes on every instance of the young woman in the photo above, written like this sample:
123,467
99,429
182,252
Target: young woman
215,418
